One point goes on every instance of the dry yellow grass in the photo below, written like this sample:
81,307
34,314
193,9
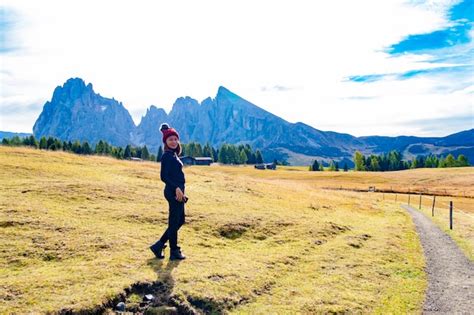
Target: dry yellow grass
75,232
438,181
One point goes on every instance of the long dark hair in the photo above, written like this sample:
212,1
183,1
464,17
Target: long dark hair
178,149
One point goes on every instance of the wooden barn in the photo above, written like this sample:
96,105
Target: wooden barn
268,166
189,160
203,160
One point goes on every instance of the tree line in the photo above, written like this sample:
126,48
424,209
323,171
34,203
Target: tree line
393,161
226,154
333,166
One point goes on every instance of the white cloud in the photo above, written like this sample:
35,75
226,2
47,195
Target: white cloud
151,52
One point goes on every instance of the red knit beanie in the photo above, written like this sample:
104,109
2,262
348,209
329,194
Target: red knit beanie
167,132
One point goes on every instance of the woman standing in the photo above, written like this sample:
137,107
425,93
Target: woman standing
173,177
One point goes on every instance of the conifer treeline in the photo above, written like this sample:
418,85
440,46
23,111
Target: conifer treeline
393,161
333,166
226,154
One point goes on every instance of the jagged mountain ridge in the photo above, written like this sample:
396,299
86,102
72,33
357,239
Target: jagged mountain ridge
77,112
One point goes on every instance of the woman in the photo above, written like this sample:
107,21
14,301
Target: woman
173,177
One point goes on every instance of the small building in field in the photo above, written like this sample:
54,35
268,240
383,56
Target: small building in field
268,166
203,160
135,159
189,160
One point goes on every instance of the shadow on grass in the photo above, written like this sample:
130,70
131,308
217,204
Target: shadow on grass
164,301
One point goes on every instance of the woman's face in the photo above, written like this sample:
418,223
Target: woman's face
172,142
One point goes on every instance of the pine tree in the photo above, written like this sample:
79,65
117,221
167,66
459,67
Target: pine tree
86,149
15,141
99,148
25,141
76,147
137,152
332,166
107,148
359,161
315,166
462,160
128,152
215,153
198,149
243,157
145,155
223,154
429,161
450,161
394,159
43,143
235,154
58,144
207,151
259,157
374,163
337,167
345,167
50,141
33,142
248,153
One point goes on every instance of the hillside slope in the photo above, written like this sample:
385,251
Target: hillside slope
76,231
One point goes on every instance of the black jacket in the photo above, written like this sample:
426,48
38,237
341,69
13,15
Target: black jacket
172,171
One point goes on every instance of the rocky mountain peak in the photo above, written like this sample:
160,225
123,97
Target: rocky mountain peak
75,112
72,89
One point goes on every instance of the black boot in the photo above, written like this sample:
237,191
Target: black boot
157,249
176,254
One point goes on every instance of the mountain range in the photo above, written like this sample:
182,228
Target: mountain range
76,112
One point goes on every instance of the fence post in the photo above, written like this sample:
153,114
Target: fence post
383,196
419,206
395,197
432,208
450,215
409,198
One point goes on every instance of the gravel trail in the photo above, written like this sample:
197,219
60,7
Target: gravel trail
450,273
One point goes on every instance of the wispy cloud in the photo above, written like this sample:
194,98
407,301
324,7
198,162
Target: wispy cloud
367,77
461,17
440,82
454,70
18,107
8,21
451,123
358,98
278,88
282,67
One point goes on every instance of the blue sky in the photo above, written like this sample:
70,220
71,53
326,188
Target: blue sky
387,67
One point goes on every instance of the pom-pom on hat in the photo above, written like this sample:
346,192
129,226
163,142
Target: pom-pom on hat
167,131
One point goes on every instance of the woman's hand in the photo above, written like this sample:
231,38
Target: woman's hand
179,194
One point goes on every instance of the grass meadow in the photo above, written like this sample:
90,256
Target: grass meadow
75,232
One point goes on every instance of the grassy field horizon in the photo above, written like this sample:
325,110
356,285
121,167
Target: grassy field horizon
76,230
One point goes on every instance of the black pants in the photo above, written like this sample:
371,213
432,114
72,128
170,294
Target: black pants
176,219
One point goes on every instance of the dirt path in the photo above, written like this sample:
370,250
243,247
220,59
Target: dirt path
450,272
